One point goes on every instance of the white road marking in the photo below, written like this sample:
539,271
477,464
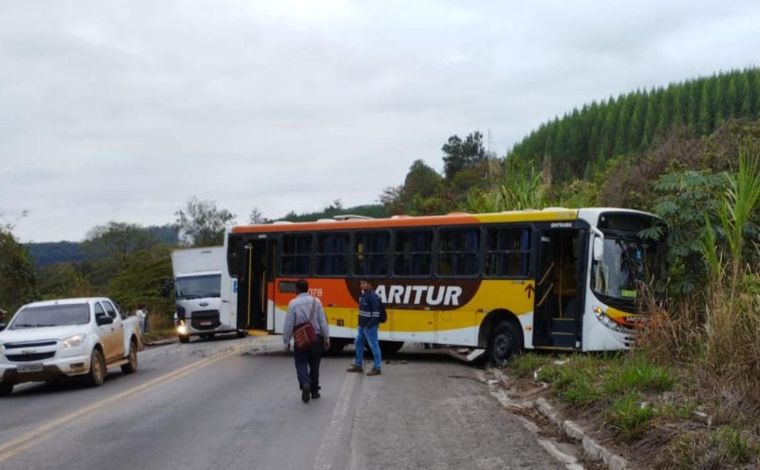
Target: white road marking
37,435
338,422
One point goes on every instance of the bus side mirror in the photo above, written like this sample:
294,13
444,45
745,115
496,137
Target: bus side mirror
598,249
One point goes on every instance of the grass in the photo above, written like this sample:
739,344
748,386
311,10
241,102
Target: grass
646,404
611,384
159,334
630,417
723,447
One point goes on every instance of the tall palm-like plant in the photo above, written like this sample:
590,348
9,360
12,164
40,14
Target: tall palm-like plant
742,199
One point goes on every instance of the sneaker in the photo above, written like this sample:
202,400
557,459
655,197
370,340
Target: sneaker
374,372
355,368
305,393
315,395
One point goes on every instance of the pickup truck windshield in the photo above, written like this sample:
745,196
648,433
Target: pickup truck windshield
196,287
51,315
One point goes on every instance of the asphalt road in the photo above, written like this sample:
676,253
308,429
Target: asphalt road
235,404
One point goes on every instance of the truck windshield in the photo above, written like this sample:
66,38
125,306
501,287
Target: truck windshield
51,315
196,287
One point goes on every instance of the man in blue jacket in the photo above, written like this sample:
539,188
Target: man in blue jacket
369,322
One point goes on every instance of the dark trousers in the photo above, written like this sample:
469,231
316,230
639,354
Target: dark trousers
307,364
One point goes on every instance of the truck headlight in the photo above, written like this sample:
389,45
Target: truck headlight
73,341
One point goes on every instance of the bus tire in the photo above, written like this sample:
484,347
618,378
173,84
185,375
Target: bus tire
5,389
504,343
184,338
389,348
336,347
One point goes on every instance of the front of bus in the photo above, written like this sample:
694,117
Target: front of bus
621,265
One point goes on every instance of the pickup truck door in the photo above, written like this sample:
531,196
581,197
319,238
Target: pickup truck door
117,331
105,332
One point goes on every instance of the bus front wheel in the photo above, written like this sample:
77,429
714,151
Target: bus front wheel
505,343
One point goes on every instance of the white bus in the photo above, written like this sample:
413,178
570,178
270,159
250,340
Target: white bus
564,279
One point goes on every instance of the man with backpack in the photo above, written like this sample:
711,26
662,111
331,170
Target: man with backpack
302,309
369,322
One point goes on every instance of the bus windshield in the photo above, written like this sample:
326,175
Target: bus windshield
624,267
196,287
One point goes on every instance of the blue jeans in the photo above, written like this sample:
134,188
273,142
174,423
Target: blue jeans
370,334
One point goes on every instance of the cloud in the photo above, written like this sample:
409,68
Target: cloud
124,110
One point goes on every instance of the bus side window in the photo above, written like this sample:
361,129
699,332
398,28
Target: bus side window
370,255
507,251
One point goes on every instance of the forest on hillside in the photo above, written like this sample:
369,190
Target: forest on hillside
582,140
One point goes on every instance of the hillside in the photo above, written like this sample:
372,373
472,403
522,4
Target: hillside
583,140
49,253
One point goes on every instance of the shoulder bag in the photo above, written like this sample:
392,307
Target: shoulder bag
303,334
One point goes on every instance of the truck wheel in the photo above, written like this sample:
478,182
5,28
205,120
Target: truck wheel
131,366
5,389
505,342
184,338
97,373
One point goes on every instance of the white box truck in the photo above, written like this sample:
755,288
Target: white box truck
202,307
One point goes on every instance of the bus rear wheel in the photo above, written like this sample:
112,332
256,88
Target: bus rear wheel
389,348
505,342
336,347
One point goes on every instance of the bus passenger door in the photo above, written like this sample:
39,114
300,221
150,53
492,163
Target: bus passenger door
254,294
559,292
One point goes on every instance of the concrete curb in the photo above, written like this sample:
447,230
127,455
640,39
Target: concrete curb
591,448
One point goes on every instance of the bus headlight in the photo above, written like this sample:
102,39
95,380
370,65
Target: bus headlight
602,316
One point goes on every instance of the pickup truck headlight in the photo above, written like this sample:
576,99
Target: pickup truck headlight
73,341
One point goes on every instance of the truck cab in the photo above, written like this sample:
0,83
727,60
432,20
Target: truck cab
198,281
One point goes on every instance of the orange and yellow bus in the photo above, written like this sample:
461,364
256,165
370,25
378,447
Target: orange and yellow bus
556,278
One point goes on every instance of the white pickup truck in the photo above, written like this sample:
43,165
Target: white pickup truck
58,339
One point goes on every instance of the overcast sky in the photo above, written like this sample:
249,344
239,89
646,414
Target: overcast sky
122,111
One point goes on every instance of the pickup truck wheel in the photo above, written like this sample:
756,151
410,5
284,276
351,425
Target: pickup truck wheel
5,389
184,338
131,366
97,373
